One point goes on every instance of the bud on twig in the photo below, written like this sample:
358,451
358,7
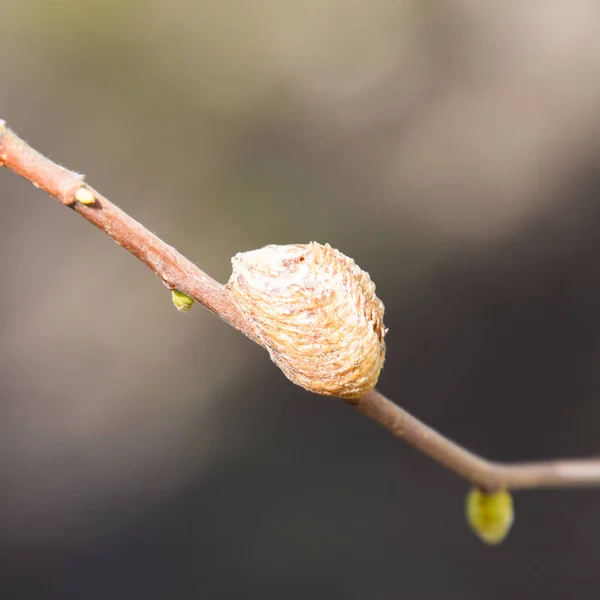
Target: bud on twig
490,515
182,301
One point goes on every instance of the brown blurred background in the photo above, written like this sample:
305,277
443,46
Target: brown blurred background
450,147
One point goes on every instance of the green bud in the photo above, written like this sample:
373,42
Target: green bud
489,515
182,301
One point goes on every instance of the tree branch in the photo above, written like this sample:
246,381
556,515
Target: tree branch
178,273
487,475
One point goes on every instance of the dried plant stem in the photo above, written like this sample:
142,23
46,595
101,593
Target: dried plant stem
178,273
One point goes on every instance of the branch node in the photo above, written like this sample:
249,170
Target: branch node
72,188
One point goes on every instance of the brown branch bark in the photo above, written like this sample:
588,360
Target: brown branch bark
177,272
487,475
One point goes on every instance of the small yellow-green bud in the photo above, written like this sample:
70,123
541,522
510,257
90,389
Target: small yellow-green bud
85,196
182,301
489,515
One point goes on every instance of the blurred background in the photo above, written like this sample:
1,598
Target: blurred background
450,147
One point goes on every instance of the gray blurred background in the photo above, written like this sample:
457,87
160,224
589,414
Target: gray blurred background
450,147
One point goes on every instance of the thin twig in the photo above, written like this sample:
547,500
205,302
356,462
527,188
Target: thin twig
489,476
178,273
